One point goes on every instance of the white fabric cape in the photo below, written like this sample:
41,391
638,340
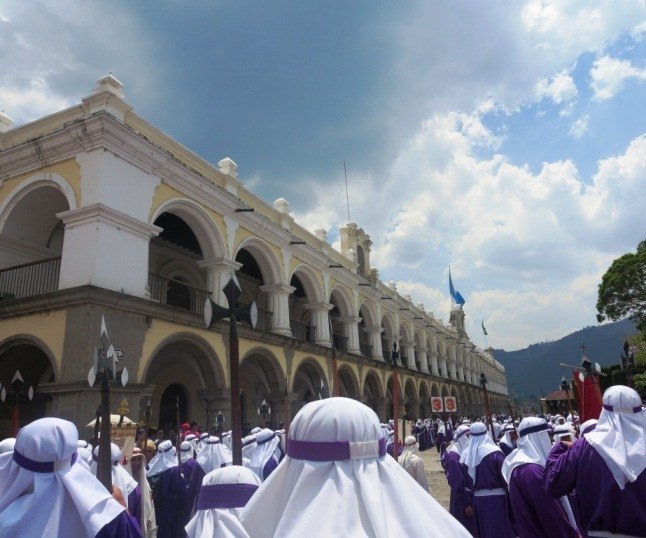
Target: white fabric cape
67,502
460,440
619,437
166,458
264,451
361,497
222,522
213,455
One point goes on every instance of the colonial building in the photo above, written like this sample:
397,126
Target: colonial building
103,215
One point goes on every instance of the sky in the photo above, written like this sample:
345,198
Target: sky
505,140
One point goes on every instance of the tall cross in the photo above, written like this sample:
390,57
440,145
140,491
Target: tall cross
212,313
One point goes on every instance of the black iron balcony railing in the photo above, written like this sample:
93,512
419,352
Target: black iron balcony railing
302,331
175,293
263,323
340,342
29,279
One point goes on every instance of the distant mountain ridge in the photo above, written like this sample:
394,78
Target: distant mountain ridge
535,370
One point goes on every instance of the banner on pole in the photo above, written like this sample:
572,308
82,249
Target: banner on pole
436,404
450,404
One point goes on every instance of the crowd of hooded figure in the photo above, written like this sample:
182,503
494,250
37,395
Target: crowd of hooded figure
549,476
332,475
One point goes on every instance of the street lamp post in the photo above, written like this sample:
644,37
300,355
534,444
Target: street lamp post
104,369
212,313
18,386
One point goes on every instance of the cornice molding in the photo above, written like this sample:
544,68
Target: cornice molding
107,215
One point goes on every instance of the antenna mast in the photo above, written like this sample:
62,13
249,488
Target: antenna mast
347,199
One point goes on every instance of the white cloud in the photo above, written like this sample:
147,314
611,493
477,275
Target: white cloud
560,89
527,250
51,53
609,75
32,102
580,127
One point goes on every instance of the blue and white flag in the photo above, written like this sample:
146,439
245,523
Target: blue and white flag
454,293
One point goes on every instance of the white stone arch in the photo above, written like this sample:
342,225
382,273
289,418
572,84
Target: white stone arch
41,179
206,231
389,324
430,345
405,331
311,282
342,299
372,380
265,258
369,308
418,338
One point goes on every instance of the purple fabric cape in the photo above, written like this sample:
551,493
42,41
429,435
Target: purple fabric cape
491,512
536,514
122,526
599,503
461,497
169,495
134,503
193,475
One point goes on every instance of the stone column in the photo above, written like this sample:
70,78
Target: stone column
444,372
409,347
351,329
452,370
434,368
278,304
460,373
375,342
321,320
219,271
423,359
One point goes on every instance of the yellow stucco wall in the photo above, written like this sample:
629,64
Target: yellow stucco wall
68,169
48,327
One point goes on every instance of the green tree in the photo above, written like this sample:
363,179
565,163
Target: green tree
622,292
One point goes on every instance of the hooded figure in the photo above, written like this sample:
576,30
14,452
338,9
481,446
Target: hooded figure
201,441
588,426
484,460
605,468
507,443
248,446
6,445
169,491
336,480
147,522
190,467
266,454
192,439
563,432
461,500
535,513
412,463
44,492
223,495
121,478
